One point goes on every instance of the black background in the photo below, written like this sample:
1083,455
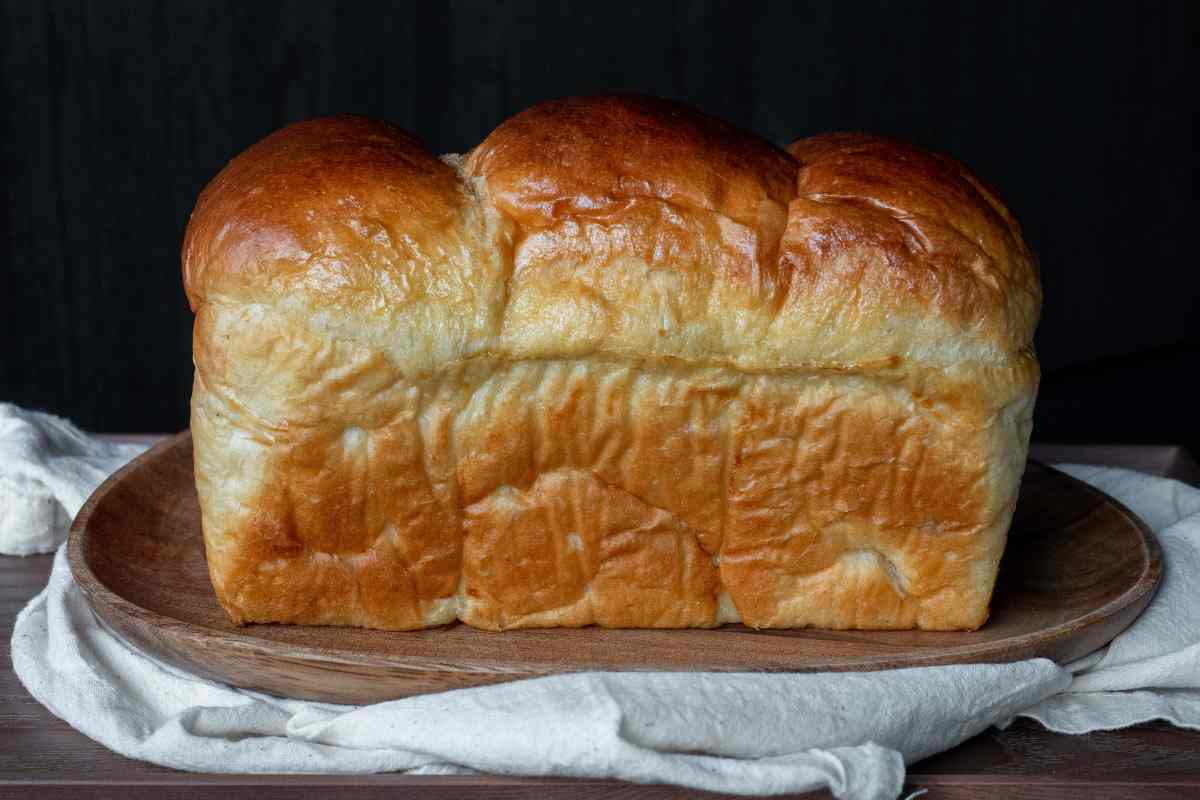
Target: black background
114,115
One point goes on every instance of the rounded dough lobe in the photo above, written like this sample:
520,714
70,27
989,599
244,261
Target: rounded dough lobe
907,248
337,190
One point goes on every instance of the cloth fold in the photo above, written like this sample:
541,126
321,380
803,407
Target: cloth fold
1152,670
48,468
739,733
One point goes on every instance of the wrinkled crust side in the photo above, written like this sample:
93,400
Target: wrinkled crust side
576,492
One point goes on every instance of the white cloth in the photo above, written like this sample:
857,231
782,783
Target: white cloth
48,467
1152,670
744,733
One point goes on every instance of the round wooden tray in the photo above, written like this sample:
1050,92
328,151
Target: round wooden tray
1078,570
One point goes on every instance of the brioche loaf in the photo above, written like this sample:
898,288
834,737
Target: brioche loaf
622,364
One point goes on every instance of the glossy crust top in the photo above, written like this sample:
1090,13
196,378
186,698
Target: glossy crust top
622,226
321,188
899,228
589,157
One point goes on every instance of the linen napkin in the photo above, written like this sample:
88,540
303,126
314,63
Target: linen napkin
742,733
48,468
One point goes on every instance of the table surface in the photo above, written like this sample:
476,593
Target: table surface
43,757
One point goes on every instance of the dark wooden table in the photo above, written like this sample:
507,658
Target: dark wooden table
42,757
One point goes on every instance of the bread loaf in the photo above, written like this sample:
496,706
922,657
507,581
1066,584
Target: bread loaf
622,364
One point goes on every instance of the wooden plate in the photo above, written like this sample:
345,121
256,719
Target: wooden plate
1078,570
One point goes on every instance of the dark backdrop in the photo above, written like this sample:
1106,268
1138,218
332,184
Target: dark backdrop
115,115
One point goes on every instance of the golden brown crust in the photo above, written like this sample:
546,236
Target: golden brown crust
589,157
621,365
897,227
325,189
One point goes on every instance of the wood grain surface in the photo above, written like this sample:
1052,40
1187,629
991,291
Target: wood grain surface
1078,570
